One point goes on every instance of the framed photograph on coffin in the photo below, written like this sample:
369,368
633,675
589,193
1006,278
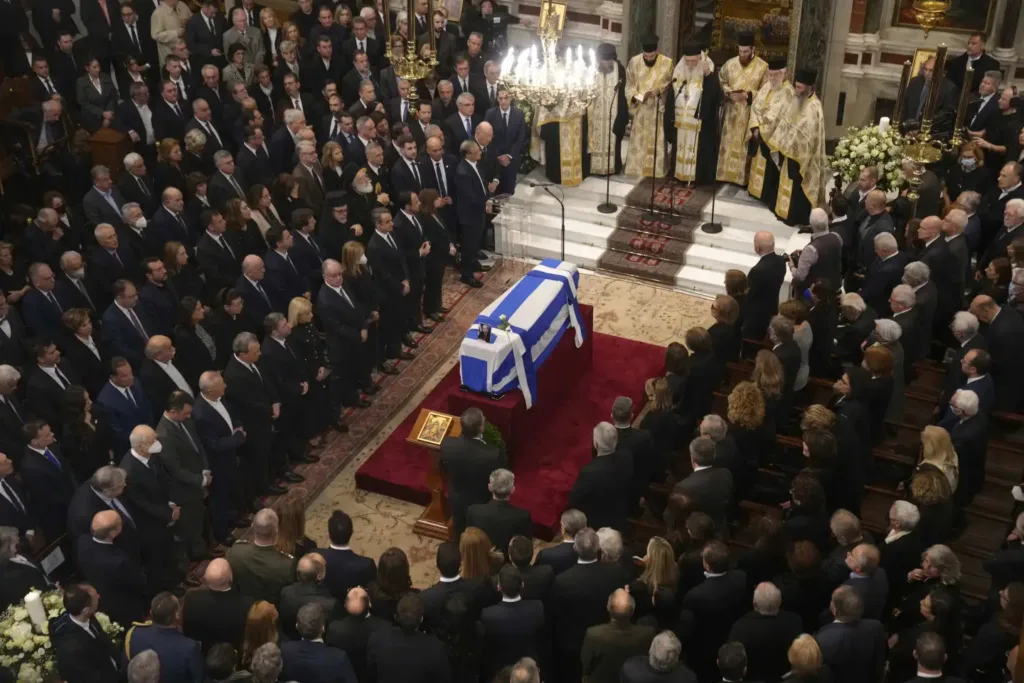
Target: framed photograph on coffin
768,20
964,16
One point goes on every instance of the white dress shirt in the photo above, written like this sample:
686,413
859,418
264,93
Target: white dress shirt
222,411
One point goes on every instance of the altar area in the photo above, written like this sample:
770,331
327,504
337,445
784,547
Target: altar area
668,248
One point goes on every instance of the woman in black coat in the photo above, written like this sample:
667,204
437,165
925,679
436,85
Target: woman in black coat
939,612
196,345
87,441
317,415
805,588
169,171
871,384
664,424
930,492
725,342
285,195
824,320
360,282
984,658
184,276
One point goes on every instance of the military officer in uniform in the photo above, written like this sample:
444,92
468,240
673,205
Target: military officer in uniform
259,568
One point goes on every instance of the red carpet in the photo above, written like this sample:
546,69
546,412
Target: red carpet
557,445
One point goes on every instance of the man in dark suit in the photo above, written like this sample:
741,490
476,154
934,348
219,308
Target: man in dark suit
868,579
47,379
101,493
282,142
709,488
498,517
136,185
1009,230
283,280
14,503
252,398
883,275
310,659
103,202
13,415
116,575
48,479
345,568
604,485
186,462
391,271
412,238
917,94
324,66
228,182
711,608
222,438
203,35
1002,334
77,288
204,120
473,190
468,462
785,348
977,58
510,134
513,628
125,329
216,95
219,254
310,572
346,324
170,222
169,114
13,336
578,600
360,42
253,157
563,555
259,302
288,372
403,652
124,402
763,284
537,579
984,113
111,260
363,88
149,502
353,632
180,657
406,174
215,613
476,592
874,221
466,80
968,429
607,646
84,655
766,633
461,126
307,251
853,647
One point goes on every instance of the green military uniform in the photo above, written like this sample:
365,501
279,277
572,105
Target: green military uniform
260,571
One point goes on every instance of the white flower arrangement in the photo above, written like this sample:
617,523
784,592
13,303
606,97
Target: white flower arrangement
27,652
863,147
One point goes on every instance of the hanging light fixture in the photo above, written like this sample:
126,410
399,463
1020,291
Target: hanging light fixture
930,13
541,78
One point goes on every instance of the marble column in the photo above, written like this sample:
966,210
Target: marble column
1008,31
642,21
809,44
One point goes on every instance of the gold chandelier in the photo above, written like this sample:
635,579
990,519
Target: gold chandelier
541,78
930,13
410,65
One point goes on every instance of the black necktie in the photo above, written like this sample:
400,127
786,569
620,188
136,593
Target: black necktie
135,38
181,224
224,243
416,173
49,87
259,288
234,184
61,379
441,185
176,109
492,96
504,115
85,293
334,128
142,186
53,300
253,367
15,500
9,402
212,132
188,436
181,92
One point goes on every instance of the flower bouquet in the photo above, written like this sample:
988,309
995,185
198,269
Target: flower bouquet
25,649
870,146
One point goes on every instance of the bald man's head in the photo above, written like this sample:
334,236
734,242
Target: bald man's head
218,575
929,229
311,568
621,605
252,267
874,203
764,243
159,348
105,525
984,308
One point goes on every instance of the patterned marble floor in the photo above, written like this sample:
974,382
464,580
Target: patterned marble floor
625,308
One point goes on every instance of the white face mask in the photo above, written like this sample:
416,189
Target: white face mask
362,260
156,448
141,223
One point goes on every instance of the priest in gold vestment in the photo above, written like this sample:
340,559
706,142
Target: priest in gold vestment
693,119
741,78
648,77
799,143
607,114
770,103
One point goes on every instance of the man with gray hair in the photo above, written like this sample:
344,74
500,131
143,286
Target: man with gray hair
563,555
763,284
727,453
578,600
903,304
607,646
309,659
933,307
648,464
1013,218
953,227
610,542
226,183
259,568
661,663
766,633
103,492
821,258
883,273
136,185
102,203
499,518
967,425
709,488
266,662
469,462
604,485
970,202
144,668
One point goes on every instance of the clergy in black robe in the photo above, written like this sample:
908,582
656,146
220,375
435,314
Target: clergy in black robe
691,116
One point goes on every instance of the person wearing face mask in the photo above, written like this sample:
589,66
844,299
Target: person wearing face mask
971,173
147,497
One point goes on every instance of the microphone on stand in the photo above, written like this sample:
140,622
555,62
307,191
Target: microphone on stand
546,186
607,206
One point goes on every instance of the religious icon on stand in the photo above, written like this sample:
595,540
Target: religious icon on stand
552,20
434,428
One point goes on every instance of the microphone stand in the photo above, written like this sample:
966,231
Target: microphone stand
607,206
651,215
712,227
561,202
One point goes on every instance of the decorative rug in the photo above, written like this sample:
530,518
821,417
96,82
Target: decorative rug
546,466
671,196
649,247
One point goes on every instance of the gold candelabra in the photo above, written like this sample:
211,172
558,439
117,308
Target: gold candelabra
929,13
411,66
922,147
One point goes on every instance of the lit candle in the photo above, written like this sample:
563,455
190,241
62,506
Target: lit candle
883,124
36,611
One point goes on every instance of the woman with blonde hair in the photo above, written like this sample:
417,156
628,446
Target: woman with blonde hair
272,36
937,451
748,425
333,162
662,421
726,340
261,627
929,491
343,17
478,562
309,347
806,665
655,591
769,377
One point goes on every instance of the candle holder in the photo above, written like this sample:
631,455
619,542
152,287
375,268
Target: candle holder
410,66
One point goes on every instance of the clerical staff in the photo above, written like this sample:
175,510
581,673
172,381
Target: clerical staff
741,78
648,76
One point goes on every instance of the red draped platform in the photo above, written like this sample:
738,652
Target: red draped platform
548,443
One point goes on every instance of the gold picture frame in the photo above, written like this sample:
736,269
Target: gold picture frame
434,429
551,11
964,16
452,7
921,55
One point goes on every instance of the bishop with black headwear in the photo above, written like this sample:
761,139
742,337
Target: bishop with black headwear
696,96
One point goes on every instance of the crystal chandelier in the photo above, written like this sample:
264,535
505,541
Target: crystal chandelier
541,78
